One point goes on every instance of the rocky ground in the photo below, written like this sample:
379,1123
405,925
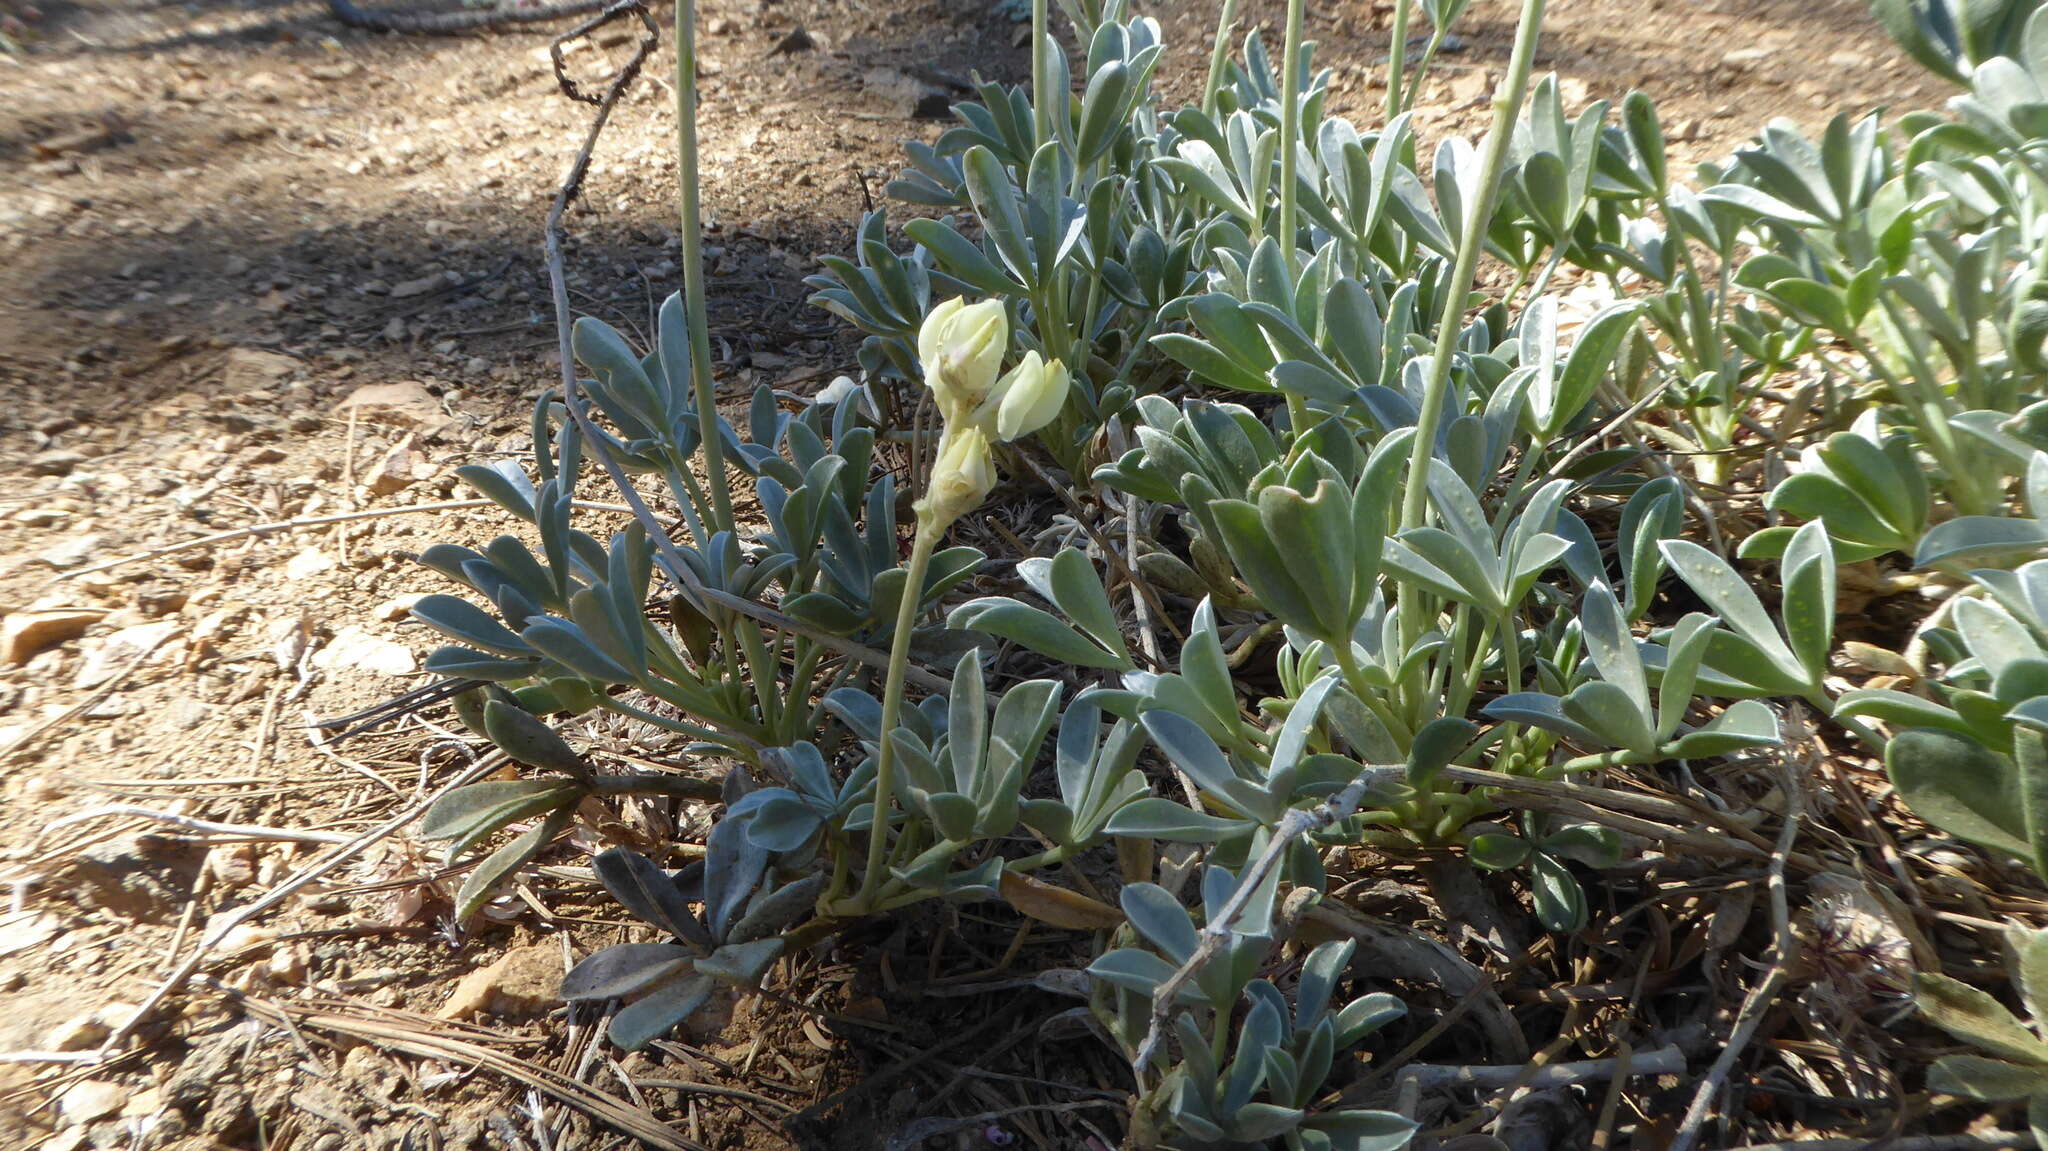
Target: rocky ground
271,280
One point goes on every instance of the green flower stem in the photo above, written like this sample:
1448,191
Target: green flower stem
1219,58
927,537
1507,108
1397,57
1290,131
693,263
1041,94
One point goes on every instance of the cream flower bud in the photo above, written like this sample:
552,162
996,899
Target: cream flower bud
962,346
962,477
1030,397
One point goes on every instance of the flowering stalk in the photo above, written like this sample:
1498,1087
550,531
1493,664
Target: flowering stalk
693,264
962,347
1507,108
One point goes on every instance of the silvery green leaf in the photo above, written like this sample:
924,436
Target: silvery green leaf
995,202
477,887
648,892
1190,749
617,972
1367,1014
1685,649
1362,1130
504,483
1976,1018
655,1015
522,735
1745,724
461,620
1161,919
1992,634
733,866
742,964
1078,592
1541,710
468,815
1141,971
1979,540
1300,724
1731,598
1319,975
1498,851
1899,710
1987,1080
565,643
1258,559
1257,1122
1607,710
1808,607
775,911
1961,787
1611,646
1560,902
1587,843
1439,742
1261,1029
1154,817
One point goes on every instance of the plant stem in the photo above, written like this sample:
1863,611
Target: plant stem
1041,92
693,264
1507,107
1290,129
1397,57
1219,56
892,707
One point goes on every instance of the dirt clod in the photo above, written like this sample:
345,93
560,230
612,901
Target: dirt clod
523,982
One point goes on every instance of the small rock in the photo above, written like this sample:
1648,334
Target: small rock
90,1099
249,370
72,553
309,562
523,982
42,517
405,403
139,876
908,96
420,287
55,462
78,1034
360,649
122,648
392,473
1745,58
159,599
23,634
1469,88
398,608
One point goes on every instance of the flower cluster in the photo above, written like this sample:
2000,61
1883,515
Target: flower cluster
962,347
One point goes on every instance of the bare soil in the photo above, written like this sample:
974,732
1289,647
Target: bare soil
219,224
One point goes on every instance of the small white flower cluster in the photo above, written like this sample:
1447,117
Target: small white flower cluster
962,347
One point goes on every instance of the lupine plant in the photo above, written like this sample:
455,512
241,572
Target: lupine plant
1251,335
